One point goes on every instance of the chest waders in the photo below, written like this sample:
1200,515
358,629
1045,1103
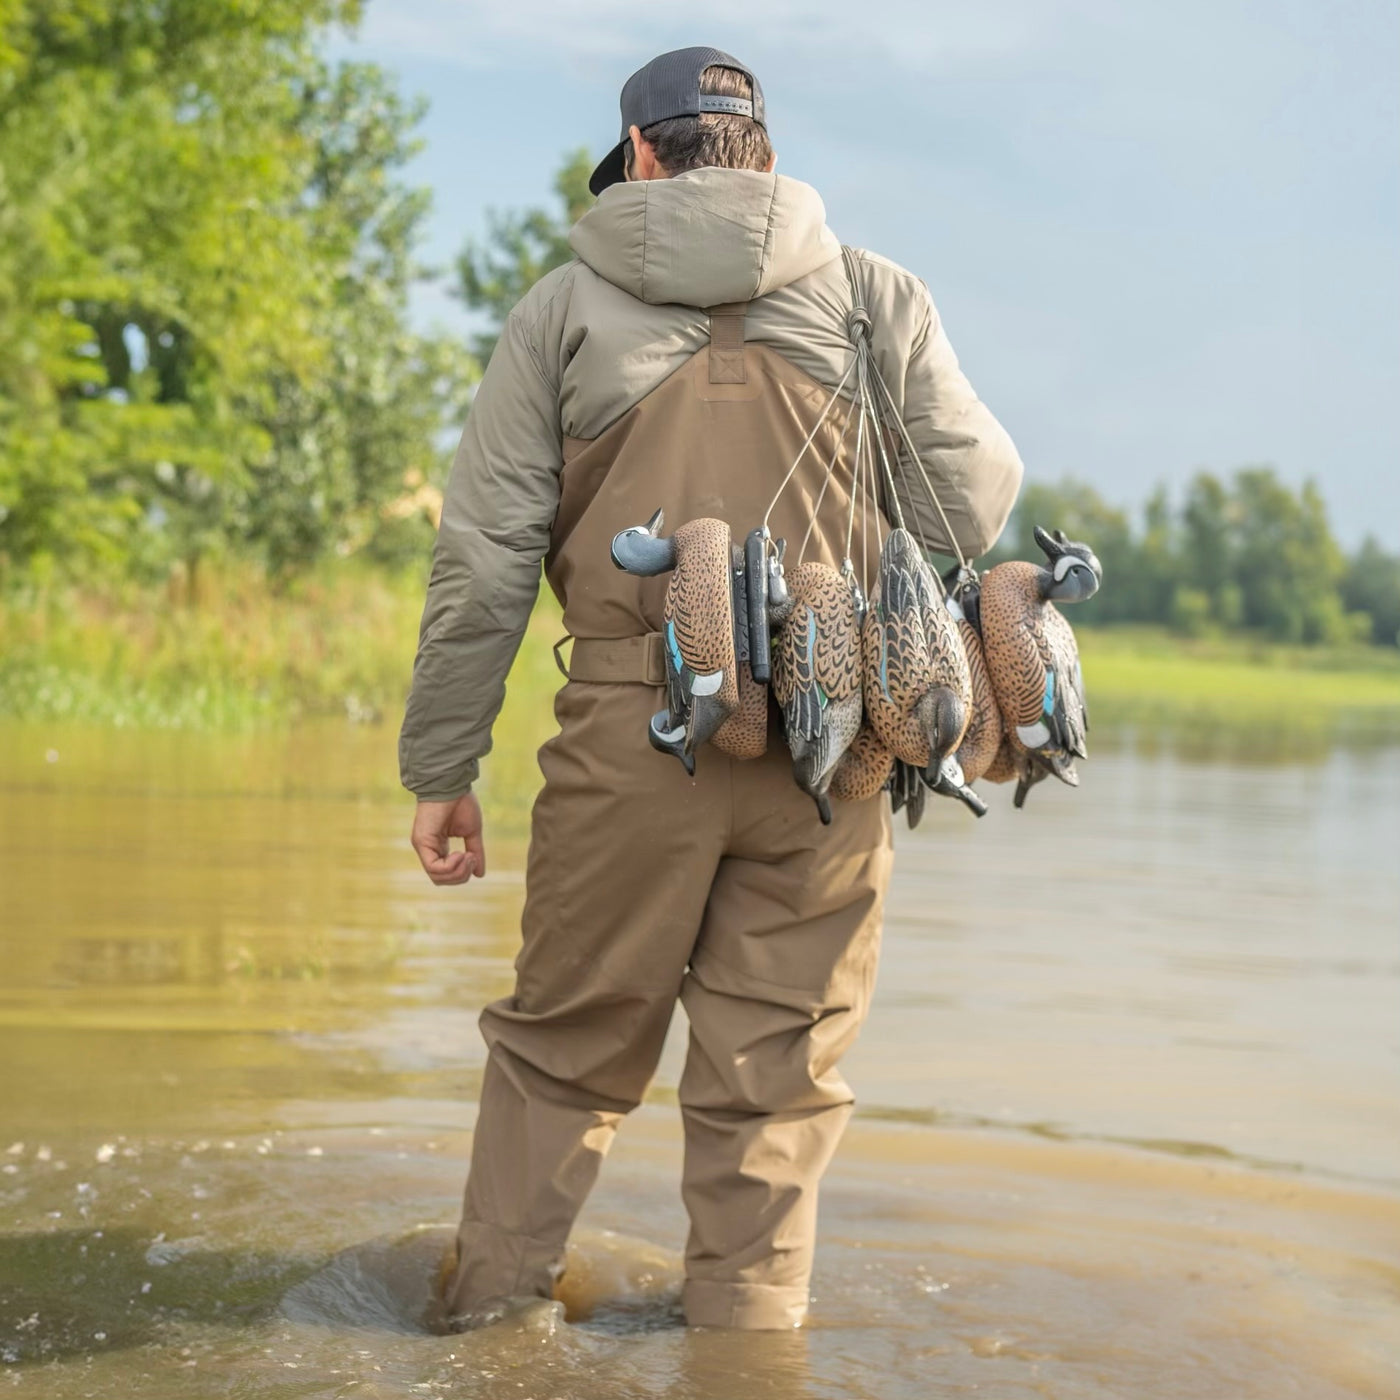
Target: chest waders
646,886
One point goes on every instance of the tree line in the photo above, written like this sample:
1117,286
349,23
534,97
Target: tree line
207,245
1248,552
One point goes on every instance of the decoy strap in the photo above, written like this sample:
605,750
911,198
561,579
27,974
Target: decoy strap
618,660
727,343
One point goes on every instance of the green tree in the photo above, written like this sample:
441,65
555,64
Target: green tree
520,248
204,260
1372,586
1287,565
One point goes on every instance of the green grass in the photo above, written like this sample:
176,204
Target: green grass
1240,693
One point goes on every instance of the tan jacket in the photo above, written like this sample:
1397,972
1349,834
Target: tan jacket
596,338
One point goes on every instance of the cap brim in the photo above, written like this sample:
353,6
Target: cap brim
611,170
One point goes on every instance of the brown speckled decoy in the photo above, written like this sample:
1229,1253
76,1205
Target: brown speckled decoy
918,689
1033,660
816,673
702,670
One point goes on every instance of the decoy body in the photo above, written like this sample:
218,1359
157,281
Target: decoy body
864,768
918,689
1033,661
984,732
702,669
817,672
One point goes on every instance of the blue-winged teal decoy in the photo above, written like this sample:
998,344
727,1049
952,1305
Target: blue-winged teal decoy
702,671
918,689
1033,660
816,672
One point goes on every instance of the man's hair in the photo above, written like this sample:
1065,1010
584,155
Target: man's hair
712,138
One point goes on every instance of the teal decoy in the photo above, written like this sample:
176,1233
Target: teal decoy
1033,660
702,671
816,672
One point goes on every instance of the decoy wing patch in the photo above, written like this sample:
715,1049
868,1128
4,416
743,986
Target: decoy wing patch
1067,716
816,657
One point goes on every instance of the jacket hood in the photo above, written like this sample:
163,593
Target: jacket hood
707,237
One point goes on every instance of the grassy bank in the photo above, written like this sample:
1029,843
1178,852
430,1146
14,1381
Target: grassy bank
1240,693
341,643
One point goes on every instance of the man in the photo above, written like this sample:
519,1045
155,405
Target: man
680,361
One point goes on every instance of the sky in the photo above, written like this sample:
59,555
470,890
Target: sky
1163,237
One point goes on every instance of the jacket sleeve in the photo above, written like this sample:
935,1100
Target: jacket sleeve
497,510
969,458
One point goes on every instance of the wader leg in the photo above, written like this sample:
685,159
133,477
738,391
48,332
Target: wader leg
623,850
778,986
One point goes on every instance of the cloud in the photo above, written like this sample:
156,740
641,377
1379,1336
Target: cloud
540,33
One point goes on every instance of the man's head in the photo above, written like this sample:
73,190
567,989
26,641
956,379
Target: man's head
687,109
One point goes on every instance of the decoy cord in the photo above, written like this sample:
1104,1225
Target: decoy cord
898,417
802,451
821,495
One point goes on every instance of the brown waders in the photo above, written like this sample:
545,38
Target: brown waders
645,886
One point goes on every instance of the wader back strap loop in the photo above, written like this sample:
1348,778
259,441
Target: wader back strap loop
727,343
619,660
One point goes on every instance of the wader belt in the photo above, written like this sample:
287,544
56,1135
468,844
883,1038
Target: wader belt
727,343
615,660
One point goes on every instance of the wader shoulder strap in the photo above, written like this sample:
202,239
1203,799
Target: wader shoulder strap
727,343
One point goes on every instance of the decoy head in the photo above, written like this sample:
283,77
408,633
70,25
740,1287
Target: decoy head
638,549
941,717
1075,572
668,737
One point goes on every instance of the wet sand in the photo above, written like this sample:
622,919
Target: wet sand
1129,1117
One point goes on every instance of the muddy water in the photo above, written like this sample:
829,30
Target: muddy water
1129,1119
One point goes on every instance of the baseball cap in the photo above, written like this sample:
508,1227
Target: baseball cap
669,86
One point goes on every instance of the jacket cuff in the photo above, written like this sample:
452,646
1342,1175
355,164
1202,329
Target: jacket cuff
443,795
439,787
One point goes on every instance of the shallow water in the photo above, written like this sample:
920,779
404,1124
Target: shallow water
1129,1117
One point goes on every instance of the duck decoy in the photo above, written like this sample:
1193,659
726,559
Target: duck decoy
817,673
698,627
915,674
1033,660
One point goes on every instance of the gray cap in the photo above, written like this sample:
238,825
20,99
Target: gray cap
669,86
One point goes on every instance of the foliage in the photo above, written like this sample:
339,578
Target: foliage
1245,553
1372,586
205,253
520,248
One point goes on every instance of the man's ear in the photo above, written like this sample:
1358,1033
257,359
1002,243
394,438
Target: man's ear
645,165
772,161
